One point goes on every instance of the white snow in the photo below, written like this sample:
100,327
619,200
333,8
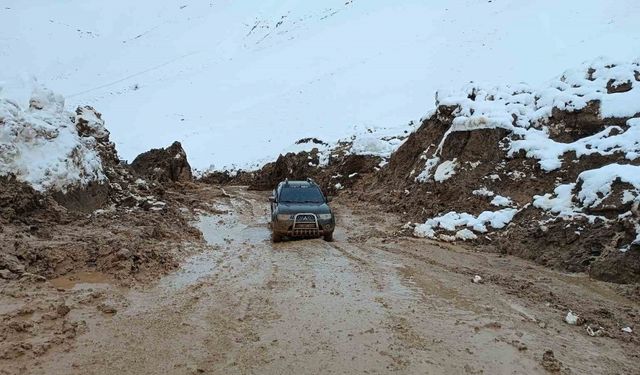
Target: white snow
629,196
627,330
465,234
238,82
524,110
596,183
592,188
560,202
501,201
374,141
483,192
378,141
426,173
41,146
571,318
445,170
549,152
452,220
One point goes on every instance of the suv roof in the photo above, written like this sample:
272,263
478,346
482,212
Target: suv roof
297,183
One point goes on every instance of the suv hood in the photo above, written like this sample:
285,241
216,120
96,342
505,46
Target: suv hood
295,208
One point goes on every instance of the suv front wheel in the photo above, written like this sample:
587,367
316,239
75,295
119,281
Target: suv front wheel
275,237
328,237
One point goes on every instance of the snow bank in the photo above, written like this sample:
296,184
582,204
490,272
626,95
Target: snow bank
452,220
41,146
380,142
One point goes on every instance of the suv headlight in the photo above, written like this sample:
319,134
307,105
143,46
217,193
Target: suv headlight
285,217
325,216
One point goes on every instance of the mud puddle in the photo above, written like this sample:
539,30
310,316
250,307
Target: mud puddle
82,280
222,232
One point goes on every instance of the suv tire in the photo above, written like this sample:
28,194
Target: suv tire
275,237
328,237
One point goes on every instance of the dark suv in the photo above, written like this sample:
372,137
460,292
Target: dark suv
300,209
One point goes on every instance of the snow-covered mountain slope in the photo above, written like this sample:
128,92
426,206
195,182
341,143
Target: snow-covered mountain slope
239,81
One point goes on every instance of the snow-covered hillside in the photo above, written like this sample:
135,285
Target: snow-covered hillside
239,81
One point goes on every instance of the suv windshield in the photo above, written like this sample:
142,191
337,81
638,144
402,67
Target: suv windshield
305,194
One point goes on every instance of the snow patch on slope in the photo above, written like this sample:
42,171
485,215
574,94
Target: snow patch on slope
525,111
445,170
452,220
596,183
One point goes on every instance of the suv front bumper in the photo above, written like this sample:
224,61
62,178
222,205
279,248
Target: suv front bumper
303,229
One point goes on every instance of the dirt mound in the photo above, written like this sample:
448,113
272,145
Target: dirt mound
293,166
333,169
121,225
555,183
17,199
164,164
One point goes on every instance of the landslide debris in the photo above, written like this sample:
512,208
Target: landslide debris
69,207
551,174
164,164
69,204
333,167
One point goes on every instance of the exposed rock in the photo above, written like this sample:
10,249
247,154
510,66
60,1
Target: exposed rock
569,126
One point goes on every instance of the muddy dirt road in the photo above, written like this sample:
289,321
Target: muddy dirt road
368,303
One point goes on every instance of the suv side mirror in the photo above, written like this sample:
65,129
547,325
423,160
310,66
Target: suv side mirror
272,199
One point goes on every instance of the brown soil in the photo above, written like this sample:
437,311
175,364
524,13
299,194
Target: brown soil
483,162
164,164
373,301
343,168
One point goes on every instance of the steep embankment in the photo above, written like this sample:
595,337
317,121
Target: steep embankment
551,173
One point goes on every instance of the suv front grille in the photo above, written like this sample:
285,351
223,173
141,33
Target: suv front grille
305,225
305,219
306,233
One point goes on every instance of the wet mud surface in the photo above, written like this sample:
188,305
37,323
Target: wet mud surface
368,303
